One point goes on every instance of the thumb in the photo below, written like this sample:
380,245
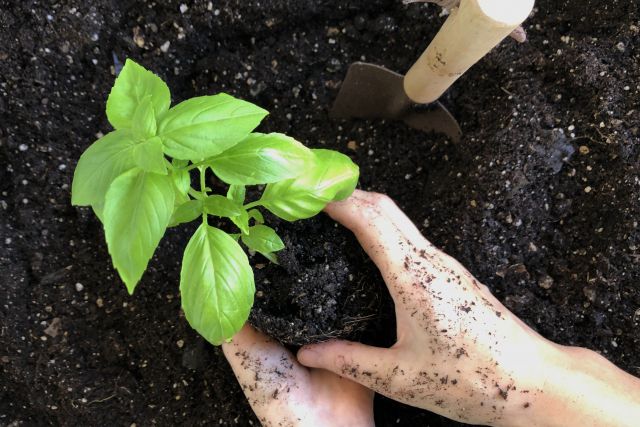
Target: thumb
364,364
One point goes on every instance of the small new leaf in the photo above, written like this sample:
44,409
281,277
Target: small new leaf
132,86
262,159
264,240
99,165
221,206
241,221
136,213
216,284
256,215
186,212
206,126
333,177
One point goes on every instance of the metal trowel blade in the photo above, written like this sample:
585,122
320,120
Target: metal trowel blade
370,91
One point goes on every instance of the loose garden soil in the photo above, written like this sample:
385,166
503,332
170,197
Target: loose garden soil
541,199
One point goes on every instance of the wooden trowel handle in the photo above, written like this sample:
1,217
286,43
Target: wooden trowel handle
470,32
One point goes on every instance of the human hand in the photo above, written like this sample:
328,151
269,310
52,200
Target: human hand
459,351
281,392
518,34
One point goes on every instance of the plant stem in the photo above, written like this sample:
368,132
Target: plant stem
203,191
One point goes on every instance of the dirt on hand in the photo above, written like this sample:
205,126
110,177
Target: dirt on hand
539,200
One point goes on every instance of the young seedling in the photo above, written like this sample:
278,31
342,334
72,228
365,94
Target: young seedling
137,179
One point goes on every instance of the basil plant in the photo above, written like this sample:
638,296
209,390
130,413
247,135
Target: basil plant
138,180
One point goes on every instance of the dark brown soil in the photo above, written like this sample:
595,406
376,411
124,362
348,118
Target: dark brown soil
540,200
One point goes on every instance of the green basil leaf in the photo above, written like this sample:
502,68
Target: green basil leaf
262,239
186,212
241,221
149,157
132,86
181,185
221,206
99,165
206,126
332,177
144,119
216,284
237,193
98,209
262,159
181,198
256,215
136,213
182,180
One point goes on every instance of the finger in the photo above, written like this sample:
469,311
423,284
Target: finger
387,235
366,365
335,384
383,204
263,367
250,351
380,238
250,341
247,337
327,383
398,217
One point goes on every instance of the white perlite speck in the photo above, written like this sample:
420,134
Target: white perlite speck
79,287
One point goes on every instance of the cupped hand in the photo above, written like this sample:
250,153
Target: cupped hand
283,393
459,351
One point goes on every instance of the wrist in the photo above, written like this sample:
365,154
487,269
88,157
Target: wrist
581,388
534,383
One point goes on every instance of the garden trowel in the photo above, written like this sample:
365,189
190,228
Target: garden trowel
370,91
